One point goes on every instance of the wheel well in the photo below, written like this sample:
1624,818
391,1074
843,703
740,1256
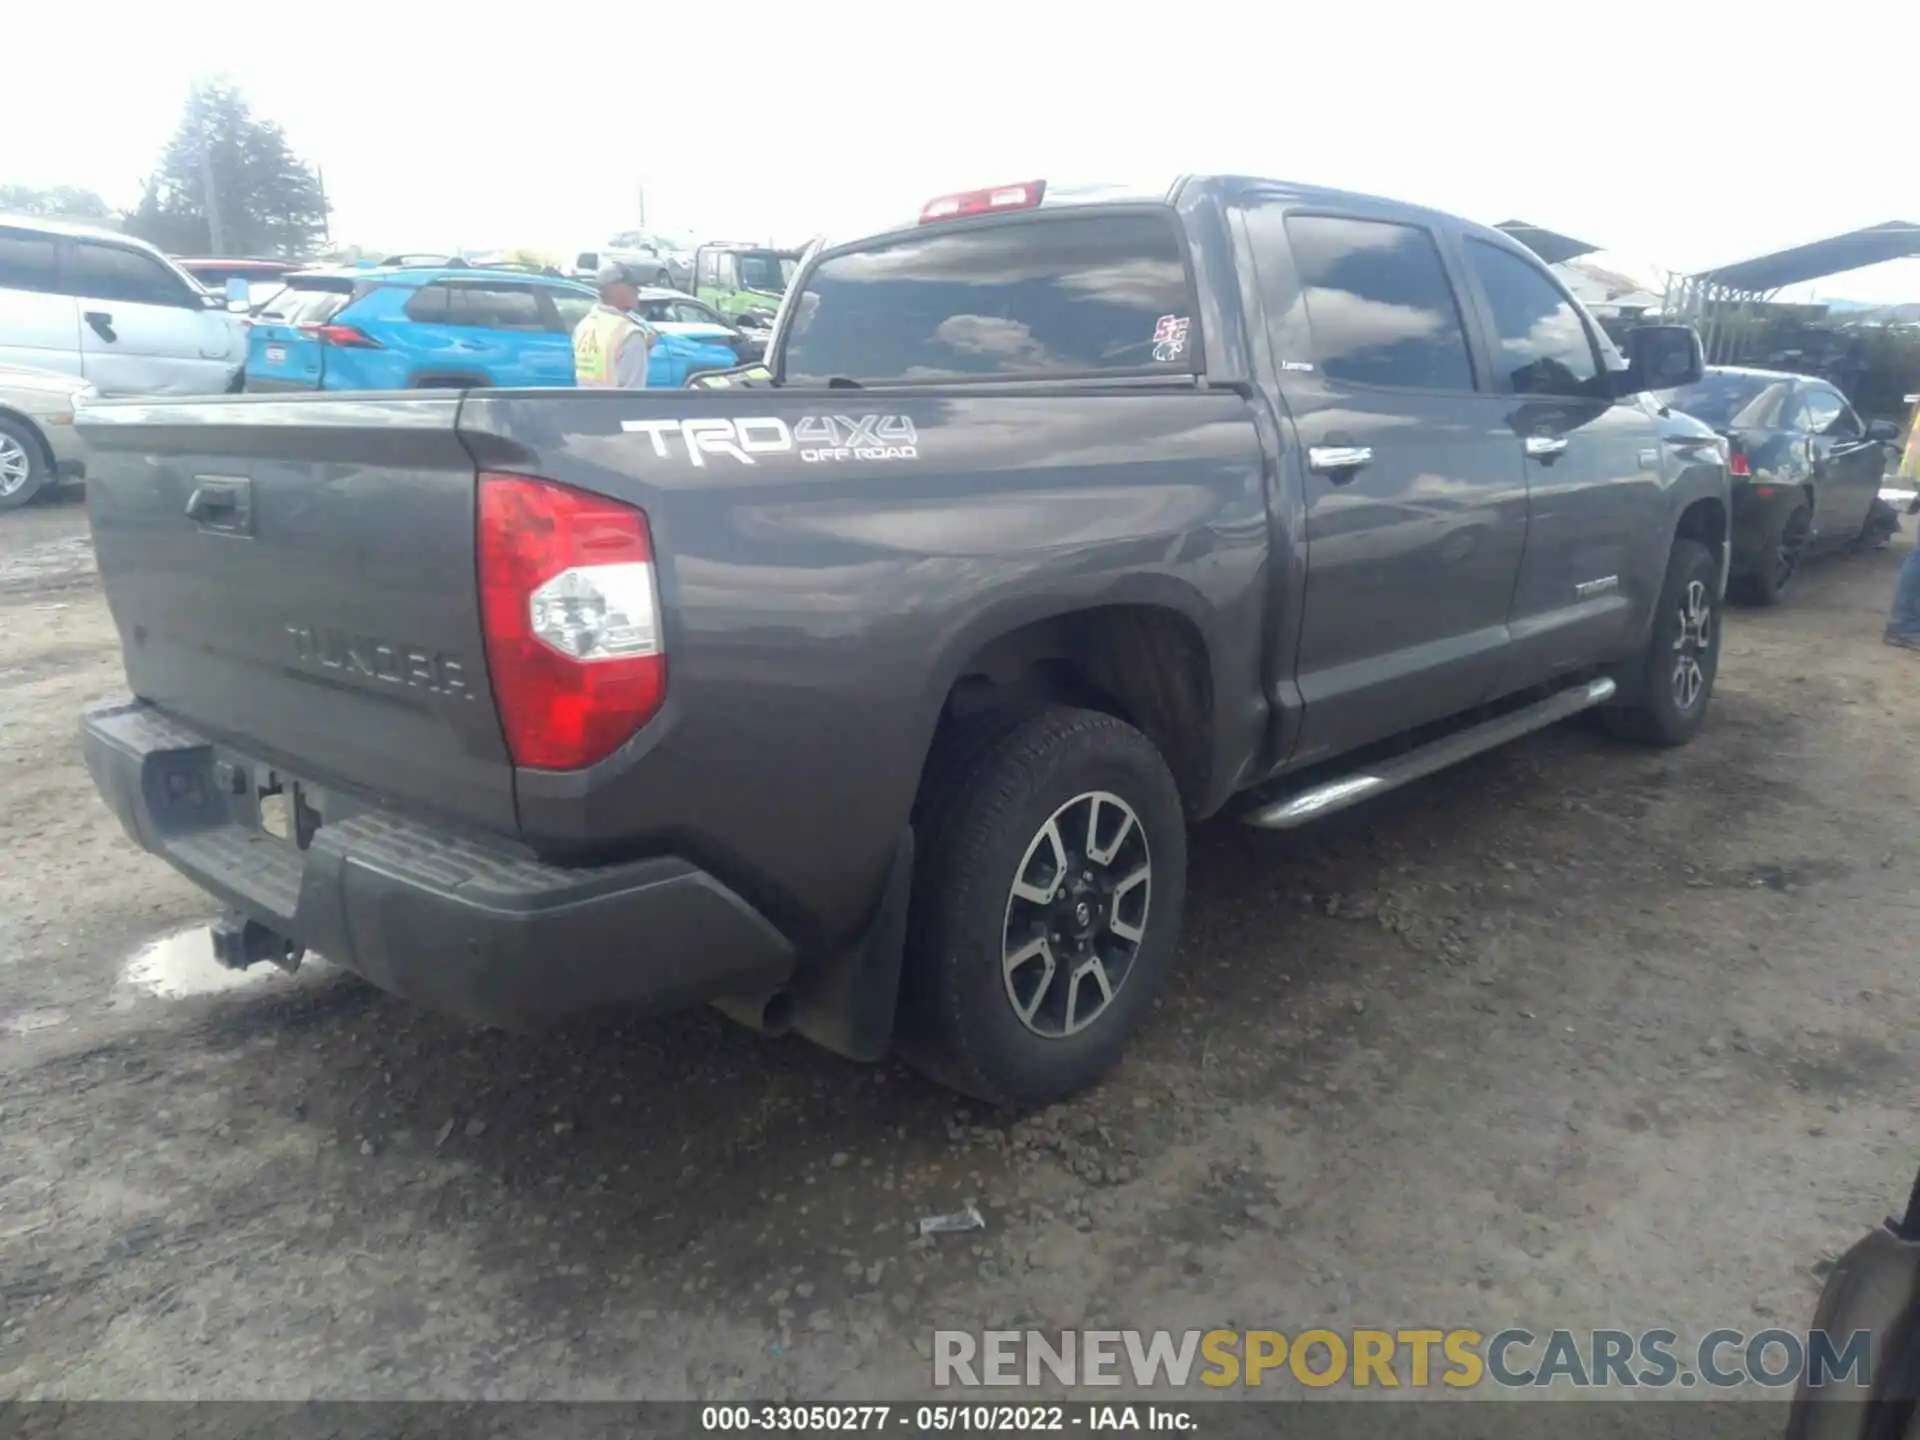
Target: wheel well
1705,521
1144,664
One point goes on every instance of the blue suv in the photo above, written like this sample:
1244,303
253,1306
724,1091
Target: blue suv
402,329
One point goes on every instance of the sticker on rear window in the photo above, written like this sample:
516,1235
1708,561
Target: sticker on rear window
1169,338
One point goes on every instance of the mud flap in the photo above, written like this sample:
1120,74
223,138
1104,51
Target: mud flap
1874,1289
847,1005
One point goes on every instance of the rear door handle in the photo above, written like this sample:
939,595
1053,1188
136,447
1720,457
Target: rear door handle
222,503
1545,447
102,324
1339,461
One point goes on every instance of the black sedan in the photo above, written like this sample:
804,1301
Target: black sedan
1806,470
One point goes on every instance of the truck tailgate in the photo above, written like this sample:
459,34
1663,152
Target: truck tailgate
296,577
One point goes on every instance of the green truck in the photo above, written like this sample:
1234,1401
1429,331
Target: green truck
743,279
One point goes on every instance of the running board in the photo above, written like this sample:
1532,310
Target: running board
1297,809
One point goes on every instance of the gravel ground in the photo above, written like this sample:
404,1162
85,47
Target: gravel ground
1575,1035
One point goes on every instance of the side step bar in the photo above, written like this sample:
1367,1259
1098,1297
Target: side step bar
1324,799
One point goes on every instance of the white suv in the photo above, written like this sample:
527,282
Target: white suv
112,310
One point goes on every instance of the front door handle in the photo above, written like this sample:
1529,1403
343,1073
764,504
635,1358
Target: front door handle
1339,461
1546,447
102,324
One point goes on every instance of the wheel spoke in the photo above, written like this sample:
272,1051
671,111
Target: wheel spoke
14,466
1025,889
1104,854
1097,972
1020,959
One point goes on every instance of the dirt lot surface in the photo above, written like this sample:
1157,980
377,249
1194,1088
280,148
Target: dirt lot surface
1576,1035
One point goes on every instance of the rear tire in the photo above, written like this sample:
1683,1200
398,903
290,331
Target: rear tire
1672,683
1046,904
24,467
1780,560
1878,529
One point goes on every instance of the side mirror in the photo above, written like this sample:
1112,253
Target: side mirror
1663,357
1885,431
239,296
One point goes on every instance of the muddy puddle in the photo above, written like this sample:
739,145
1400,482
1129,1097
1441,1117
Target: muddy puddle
177,966
30,1021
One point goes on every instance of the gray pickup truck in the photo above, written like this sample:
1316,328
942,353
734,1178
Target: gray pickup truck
873,700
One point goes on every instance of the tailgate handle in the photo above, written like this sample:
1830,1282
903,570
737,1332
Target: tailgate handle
222,503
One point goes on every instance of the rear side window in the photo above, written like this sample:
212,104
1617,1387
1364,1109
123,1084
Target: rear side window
107,272
572,308
1379,304
308,304
485,307
1064,295
26,261
1544,348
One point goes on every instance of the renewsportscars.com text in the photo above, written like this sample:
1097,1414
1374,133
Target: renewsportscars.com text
1455,1359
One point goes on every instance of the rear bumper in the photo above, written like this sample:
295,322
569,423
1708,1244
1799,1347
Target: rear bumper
1755,518
457,926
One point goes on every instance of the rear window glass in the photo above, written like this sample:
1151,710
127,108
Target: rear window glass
1379,304
1069,294
26,261
308,303
1728,400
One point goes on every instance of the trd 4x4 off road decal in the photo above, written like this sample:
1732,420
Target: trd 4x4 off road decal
815,438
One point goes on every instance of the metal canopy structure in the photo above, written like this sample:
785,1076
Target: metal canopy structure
1895,240
1721,302
1550,245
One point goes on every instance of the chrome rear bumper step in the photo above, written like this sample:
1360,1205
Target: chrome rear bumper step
1310,804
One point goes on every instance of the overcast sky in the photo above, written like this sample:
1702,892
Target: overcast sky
1687,133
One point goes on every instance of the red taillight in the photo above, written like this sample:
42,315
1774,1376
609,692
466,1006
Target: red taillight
572,620
1737,465
1023,196
347,337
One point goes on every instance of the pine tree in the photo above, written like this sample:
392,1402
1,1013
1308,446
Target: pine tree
264,200
62,202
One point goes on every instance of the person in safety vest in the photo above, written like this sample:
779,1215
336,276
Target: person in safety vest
1903,625
610,347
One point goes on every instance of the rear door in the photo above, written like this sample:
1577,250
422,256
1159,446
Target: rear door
499,332
1415,498
283,353
1846,465
39,326
144,330
1596,553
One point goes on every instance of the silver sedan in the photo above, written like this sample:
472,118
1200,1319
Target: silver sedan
38,446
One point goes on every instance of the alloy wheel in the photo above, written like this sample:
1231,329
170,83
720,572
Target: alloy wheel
16,466
1786,557
1692,645
1076,914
